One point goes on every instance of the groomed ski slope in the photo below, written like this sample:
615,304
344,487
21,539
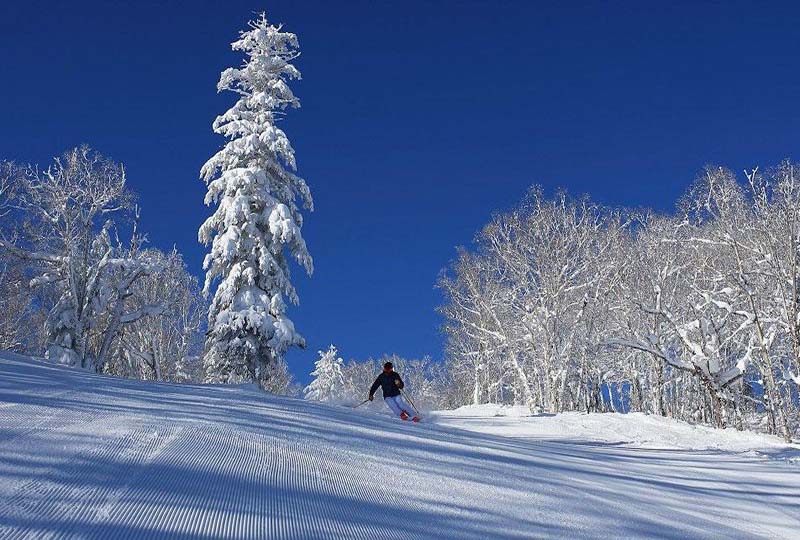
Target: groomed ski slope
83,456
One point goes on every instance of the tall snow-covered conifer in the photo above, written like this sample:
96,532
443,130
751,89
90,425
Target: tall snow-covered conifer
328,377
257,221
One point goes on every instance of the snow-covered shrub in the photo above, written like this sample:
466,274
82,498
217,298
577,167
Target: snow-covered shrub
328,382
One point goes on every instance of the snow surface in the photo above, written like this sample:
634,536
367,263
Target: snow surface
90,457
636,429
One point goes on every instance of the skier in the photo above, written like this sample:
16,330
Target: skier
391,384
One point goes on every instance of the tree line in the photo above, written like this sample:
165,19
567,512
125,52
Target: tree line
79,280
564,304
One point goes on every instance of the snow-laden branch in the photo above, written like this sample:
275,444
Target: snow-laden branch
32,255
149,310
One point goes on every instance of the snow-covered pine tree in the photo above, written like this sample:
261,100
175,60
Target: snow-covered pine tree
257,219
328,378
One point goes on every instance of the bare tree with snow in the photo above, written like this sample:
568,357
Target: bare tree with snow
70,246
15,295
563,304
167,346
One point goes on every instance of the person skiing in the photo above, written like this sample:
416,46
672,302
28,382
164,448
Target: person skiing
390,383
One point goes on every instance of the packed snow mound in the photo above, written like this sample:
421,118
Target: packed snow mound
89,457
638,429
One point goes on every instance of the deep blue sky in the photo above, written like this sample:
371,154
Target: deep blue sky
418,120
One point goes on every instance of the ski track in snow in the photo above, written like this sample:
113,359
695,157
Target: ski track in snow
90,457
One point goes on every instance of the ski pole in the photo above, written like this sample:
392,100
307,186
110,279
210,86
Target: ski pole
410,402
360,404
